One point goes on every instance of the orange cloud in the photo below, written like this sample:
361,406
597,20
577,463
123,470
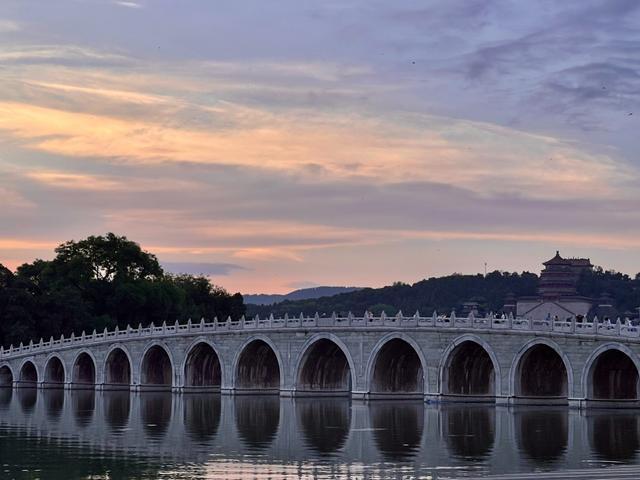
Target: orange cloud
331,148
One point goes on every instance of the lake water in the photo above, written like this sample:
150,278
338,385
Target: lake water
52,434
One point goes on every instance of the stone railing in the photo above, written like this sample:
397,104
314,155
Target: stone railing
619,328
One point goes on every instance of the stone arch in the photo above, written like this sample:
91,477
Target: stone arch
202,366
258,366
6,376
84,369
156,367
117,368
385,374
541,370
29,374
611,373
54,371
470,369
324,366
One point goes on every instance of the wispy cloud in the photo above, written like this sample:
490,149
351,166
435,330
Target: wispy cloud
128,4
7,26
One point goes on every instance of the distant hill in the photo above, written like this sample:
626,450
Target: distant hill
301,294
445,294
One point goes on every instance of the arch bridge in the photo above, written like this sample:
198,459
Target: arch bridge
471,359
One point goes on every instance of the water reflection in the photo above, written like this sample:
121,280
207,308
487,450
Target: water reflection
542,435
160,435
83,404
6,395
202,416
397,428
469,431
156,409
324,423
53,400
27,398
613,435
117,408
257,420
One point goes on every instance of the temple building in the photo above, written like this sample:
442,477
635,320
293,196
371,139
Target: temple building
557,292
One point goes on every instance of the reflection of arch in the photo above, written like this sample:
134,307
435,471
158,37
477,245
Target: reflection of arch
6,395
27,398
156,368
258,366
611,373
396,364
541,369
53,400
156,411
117,368
614,436
117,408
397,428
542,435
202,416
470,368
257,420
324,365
83,404
84,369
28,374
6,376
324,423
469,432
54,373
202,366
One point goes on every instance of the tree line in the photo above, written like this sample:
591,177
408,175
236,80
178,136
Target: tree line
449,293
102,282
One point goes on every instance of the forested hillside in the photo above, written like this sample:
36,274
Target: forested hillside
442,294
102,282
445,294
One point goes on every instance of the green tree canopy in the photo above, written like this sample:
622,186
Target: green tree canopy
98,282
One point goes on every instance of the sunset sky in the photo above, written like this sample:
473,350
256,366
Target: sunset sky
282,144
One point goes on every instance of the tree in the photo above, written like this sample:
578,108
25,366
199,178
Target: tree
98,282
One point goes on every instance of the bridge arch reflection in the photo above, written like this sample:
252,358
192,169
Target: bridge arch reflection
613,436
324,423
469,432
257,420
542,435
397,428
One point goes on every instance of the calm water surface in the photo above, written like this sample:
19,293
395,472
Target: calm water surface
53,434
